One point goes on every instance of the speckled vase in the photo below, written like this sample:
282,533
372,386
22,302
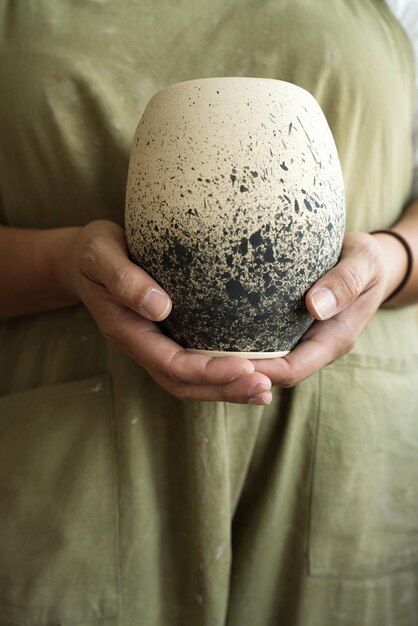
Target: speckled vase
235,205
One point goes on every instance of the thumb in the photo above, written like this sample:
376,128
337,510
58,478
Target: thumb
106,262
337,289
134,288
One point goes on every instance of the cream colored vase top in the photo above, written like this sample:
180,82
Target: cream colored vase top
235,205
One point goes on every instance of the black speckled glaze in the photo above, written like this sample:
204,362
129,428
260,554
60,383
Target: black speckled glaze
235,205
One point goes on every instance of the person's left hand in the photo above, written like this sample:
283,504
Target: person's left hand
342,302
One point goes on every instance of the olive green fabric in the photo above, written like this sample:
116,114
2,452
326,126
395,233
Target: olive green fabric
121,505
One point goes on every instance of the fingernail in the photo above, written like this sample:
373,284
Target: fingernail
155,305
258,389
262,399
325,302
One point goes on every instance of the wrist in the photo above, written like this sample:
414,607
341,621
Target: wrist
60,247
34,270
395,260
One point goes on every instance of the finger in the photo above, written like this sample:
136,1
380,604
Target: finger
105,261
167,357
262,399
308,357
245,390
320,346
187,367
164,355
145,343
337,289
342,285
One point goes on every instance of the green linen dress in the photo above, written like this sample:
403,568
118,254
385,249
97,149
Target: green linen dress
120,505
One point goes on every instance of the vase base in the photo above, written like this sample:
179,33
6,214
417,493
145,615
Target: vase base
245,355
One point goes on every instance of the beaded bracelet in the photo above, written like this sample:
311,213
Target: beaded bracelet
409,254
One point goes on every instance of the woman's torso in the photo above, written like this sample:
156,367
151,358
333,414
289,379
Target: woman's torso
77,77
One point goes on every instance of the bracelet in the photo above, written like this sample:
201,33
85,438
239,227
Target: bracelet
409,254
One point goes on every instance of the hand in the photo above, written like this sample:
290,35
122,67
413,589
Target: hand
343,301
126,302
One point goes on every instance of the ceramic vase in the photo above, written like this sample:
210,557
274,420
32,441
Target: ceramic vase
235,206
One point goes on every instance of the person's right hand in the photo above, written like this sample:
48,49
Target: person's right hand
126,302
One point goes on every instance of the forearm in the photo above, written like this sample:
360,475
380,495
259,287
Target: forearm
32,270
33,266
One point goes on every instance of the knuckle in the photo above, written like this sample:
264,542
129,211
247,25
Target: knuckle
121,280
174,368
178,390
351,281
289,381
294,375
